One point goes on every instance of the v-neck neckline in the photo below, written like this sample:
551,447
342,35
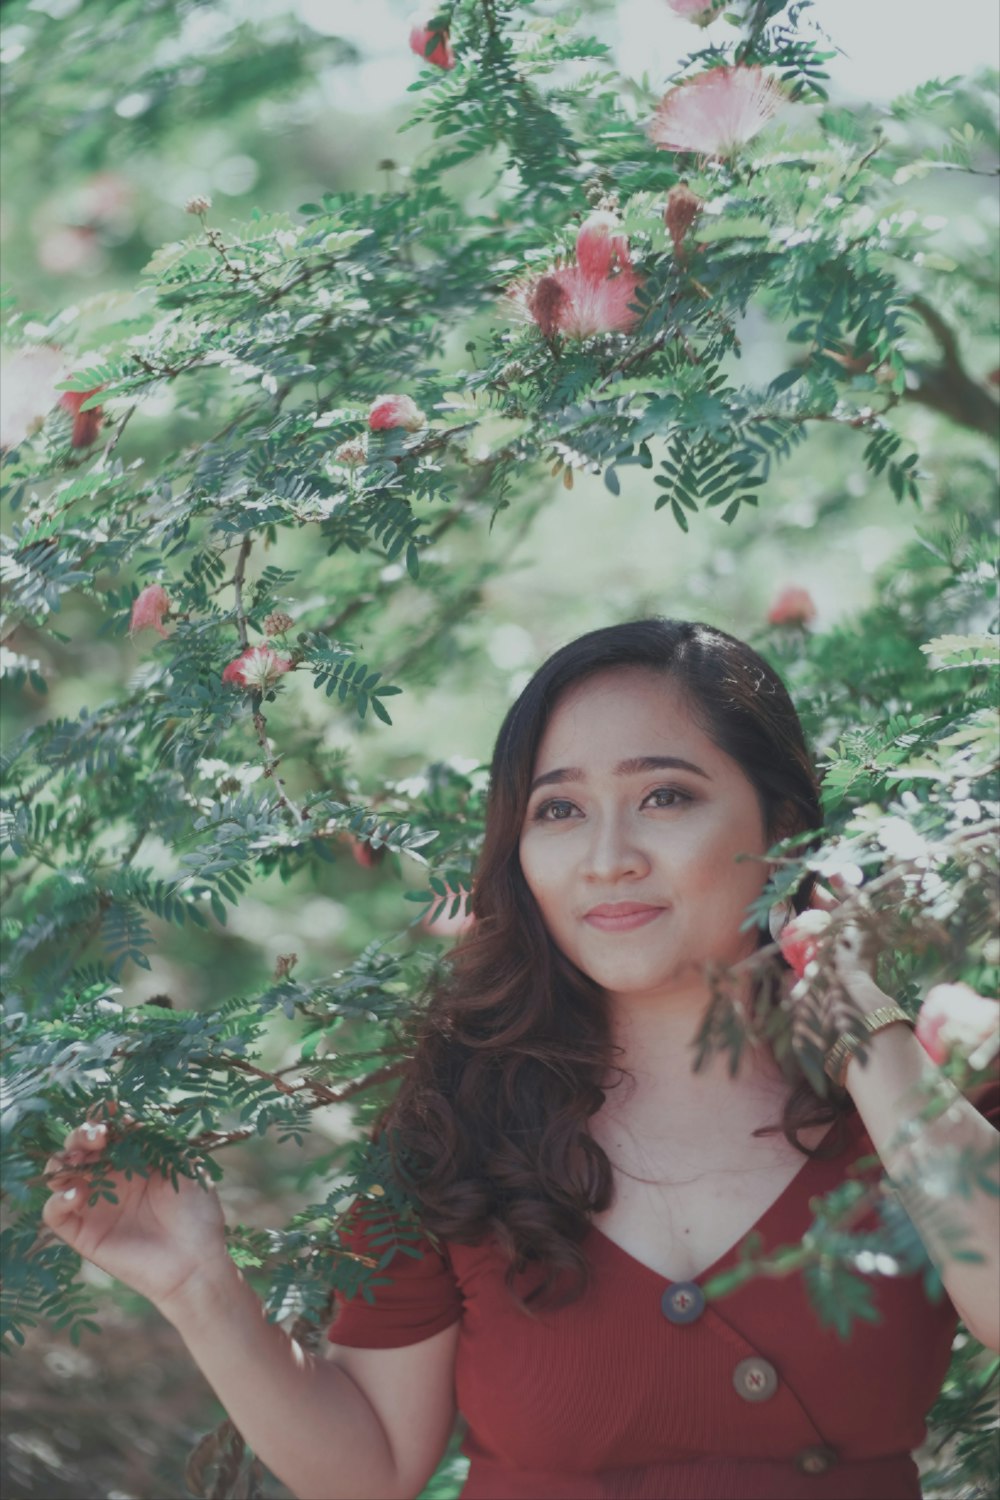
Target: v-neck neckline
773,1206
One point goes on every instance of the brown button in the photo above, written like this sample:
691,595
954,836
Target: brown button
755,1379
816,1460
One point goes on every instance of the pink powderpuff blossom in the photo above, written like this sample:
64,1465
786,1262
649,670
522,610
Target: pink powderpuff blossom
256,669
148,610
424,36
593,295
954,1018
793,606
28,380
715,112
801,938
701,12
387,412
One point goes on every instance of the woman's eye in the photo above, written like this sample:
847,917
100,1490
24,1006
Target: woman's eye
666,796
555,811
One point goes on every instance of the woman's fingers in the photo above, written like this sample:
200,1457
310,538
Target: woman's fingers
65,1205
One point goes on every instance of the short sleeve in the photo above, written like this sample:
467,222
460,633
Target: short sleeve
419,1295
986,1099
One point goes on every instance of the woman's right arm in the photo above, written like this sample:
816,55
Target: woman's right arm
365,1424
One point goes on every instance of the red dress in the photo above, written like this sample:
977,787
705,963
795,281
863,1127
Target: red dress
641,1391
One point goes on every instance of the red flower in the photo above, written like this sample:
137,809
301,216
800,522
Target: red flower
592,296
424,35
715,112
955,1019
86,424
793,606
149,609
801,938
395,411
256,669
701,12
365,854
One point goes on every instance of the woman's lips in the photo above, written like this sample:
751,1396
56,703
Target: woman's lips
622,918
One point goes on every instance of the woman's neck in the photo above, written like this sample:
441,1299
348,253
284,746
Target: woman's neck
668,1098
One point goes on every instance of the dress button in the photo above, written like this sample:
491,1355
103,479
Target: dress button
755,1379
816,1460
683,1302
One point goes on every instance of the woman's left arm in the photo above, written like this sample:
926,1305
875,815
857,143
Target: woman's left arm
891,1086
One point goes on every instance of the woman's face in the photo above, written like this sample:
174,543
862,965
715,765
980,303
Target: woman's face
633,826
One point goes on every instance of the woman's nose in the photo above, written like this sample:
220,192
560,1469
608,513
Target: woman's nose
613,852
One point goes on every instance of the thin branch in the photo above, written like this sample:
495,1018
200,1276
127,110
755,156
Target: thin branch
238,578
271,763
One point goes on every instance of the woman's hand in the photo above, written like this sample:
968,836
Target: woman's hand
822,1011
155,1238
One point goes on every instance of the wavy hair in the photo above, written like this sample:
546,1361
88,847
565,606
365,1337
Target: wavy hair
488,1130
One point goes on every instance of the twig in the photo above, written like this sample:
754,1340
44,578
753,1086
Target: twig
239,576
271,764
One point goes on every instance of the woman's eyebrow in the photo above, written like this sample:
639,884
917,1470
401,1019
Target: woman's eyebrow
637,766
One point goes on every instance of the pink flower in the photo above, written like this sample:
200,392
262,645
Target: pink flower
793,606
28,380
715,112
599,244
257,669
592,296
426,35
86,424
955,1019
365,854
701,12
395,411
801,938
149,609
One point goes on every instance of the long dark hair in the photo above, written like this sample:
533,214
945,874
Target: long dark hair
488,1131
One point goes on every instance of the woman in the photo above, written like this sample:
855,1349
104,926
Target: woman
573,1205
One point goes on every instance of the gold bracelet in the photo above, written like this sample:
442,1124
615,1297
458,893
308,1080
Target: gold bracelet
836,1060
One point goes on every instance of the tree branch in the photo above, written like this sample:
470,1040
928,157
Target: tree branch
947,387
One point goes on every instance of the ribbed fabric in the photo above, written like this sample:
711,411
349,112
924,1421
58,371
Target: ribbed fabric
608,1400
709,1479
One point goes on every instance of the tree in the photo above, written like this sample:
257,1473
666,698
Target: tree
220,463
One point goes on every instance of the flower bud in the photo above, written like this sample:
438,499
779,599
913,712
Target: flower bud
352,452
277,623
86,424
683,207
198,205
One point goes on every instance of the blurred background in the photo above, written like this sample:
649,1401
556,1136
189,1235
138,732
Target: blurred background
116,114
